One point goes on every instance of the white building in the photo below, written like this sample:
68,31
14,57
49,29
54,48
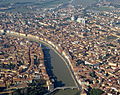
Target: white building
81,20
72,18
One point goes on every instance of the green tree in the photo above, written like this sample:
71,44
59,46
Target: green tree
96,91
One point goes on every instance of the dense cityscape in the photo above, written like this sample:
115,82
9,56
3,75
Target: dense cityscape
88,39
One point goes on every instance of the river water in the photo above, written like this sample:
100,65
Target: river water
57,69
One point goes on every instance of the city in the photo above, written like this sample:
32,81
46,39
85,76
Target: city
88,39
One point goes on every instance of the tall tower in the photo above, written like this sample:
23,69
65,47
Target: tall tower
72,18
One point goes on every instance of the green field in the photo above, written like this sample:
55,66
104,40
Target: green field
20,5
84,2
32,2
103,8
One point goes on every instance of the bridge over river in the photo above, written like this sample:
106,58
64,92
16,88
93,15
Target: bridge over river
61,88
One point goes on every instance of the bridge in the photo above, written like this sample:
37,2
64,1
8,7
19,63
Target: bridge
67,87
61,88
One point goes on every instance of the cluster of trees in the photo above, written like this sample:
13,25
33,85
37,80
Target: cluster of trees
96,91
37,87
7,66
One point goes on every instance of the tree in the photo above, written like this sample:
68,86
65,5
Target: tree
96,91
80,62
92,74
34,88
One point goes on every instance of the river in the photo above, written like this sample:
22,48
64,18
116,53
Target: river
57,69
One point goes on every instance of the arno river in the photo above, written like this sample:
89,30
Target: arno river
58,70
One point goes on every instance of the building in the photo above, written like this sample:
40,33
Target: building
81,20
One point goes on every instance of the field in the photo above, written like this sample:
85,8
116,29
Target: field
115,1
20,5
84,2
